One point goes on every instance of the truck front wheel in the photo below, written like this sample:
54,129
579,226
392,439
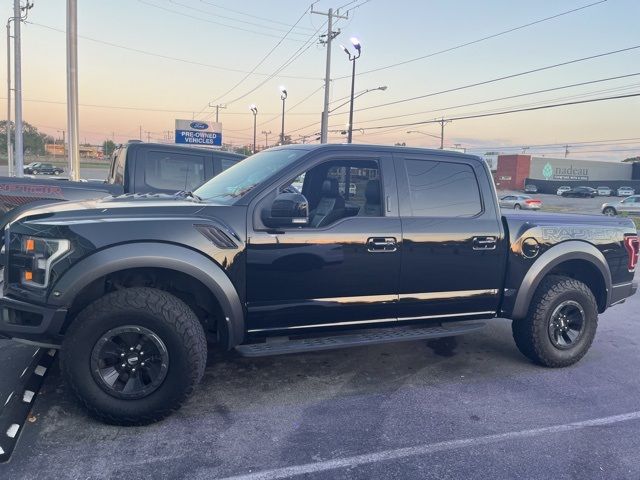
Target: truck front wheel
561,324
133,356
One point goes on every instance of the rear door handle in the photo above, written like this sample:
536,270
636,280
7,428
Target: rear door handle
484,243
381,244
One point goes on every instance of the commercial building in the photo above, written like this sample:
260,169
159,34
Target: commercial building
547,174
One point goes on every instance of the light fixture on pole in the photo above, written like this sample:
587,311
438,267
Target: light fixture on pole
359,94
352,58
254,110
283,97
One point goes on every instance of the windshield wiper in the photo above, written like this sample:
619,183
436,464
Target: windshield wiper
185,194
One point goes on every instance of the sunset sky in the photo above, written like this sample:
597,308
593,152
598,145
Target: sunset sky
144,63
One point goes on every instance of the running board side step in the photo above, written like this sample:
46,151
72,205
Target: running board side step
370,337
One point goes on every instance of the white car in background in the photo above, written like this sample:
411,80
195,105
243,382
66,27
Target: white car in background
604,191
625,191
564,188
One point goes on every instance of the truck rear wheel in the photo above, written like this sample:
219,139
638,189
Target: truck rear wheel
561,324
133,356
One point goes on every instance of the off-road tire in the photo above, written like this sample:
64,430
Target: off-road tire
531,334
167,317
610,211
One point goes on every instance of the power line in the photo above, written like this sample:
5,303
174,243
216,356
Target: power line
287,62
216,15
142,109
167,57
577,144
504,77
509,97
482,39
264,58
194,17
543,107
270,20
276,116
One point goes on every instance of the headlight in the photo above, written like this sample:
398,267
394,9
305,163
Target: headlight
38,255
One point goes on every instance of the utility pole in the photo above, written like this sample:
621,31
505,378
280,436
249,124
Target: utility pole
442,123
566,151
140,132
148,137
217,107
326,40
266,138
72,89
9,148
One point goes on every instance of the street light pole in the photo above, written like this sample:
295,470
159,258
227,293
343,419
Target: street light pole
254,110
283,97
352,59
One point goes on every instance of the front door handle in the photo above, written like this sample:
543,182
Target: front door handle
484,243
381,244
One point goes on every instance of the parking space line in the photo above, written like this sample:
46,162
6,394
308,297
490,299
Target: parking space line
395,454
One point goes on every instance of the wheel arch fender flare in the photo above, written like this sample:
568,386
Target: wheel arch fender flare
156,255
562,252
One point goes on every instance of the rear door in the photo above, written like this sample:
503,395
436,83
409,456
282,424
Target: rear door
453,246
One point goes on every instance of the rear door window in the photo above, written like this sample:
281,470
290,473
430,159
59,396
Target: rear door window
171,171
442,189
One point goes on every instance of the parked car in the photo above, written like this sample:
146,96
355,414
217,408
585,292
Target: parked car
628,205
581,192
135,168
625,191
518,202
530,188
131,287
37,168
604,191
564,188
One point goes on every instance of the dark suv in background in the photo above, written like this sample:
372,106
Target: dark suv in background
37,168
581,192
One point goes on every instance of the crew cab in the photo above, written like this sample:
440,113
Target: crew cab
136,167
132,288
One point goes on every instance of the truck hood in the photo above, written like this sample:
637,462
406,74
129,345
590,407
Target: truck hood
120,206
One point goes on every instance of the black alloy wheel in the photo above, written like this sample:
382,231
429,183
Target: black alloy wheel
129,362
566,324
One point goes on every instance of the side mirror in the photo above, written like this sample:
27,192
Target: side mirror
288,209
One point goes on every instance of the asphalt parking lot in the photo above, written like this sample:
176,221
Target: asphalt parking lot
556,203
470,407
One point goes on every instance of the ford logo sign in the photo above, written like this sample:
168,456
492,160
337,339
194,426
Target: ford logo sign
199,125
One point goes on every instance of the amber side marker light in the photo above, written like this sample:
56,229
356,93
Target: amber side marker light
29,245
28,276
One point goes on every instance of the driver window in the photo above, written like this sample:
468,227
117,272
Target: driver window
339,189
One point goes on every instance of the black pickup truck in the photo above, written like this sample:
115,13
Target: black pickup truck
375,244
136,167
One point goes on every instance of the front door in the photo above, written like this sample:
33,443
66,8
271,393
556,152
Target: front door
453,255
341,269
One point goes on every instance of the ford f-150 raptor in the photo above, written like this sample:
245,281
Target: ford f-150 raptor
381,244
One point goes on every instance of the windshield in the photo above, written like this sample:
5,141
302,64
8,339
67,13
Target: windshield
240,179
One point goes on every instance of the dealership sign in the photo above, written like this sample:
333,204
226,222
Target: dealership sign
196,132
566,173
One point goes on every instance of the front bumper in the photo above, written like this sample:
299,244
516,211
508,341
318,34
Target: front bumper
27,321
621,291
